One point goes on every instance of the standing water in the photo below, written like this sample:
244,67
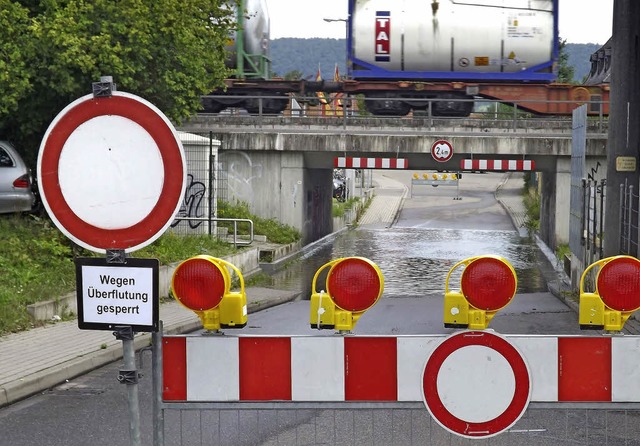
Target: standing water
415,262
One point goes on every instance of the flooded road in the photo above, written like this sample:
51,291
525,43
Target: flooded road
415,262
429,236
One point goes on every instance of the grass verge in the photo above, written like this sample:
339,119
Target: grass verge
37,260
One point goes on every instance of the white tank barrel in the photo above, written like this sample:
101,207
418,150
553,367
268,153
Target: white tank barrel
472,36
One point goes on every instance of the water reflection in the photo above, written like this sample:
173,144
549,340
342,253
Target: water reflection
415,262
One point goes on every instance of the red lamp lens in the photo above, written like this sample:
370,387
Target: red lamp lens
354,284
619,284
198,284
488,283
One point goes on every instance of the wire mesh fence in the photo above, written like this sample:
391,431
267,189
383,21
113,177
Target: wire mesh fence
629,228
401,426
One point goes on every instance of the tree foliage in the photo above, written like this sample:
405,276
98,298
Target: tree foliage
169,52
565,71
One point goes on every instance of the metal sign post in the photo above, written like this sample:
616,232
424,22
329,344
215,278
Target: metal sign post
112,177
129,376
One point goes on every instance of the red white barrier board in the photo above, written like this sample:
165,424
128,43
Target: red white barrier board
380,368
370,163
502,165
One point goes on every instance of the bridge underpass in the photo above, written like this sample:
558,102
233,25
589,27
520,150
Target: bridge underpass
282,166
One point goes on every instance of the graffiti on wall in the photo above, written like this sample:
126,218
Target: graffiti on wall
192,204
241,174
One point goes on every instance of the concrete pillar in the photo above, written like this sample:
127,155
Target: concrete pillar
624,116
563,200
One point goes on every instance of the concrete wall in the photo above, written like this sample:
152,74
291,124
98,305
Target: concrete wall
547,182
562,202
278,185
555,199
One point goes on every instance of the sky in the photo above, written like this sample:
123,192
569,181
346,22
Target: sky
581,21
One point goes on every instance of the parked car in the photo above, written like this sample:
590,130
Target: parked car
16,181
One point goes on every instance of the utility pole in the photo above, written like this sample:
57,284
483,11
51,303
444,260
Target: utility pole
624,122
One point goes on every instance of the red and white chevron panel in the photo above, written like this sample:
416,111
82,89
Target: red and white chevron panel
370,163
502,165
383,368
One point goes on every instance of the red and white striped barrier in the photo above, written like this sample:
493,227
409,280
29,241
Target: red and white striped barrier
370,163
384,368
502,165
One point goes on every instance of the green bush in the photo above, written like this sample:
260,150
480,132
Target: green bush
339,208
275,231
531,201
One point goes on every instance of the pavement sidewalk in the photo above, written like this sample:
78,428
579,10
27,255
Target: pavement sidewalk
36,360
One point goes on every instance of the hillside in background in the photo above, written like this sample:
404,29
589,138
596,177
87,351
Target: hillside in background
305,55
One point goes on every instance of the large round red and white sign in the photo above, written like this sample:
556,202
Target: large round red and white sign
476,384
111,172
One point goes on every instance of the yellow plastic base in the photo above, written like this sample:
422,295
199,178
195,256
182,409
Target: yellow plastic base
233,310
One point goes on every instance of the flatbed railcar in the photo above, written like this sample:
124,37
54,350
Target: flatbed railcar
437,55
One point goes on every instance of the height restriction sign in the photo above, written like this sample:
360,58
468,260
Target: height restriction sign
441,151
111,172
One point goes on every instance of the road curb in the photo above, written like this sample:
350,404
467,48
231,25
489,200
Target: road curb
19,389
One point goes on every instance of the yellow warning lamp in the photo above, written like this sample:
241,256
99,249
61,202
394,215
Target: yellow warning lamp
353,285
416,176
616,295
425,176
203,285
487,284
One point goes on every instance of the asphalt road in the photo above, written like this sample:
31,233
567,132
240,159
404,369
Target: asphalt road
92,410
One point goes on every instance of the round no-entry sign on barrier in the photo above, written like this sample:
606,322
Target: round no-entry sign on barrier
476,384
111,172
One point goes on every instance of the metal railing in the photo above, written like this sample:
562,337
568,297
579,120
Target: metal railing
235,237
349,111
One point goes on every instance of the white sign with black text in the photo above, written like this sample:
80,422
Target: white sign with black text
113,294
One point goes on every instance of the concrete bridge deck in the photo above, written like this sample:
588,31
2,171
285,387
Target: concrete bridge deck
322,140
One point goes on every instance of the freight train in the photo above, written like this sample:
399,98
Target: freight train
414,55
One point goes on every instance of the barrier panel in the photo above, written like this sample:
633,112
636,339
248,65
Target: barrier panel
404,389
387,374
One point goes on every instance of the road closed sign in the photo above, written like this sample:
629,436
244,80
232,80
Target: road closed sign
111,172
115,294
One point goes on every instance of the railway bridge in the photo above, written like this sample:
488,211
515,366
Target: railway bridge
283,166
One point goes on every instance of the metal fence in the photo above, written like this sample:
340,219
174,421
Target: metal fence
401,426
199,204
593,219
207,184
629,228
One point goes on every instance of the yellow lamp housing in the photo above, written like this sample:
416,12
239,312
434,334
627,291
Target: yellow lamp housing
203,284
353,285
487,285
616,296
